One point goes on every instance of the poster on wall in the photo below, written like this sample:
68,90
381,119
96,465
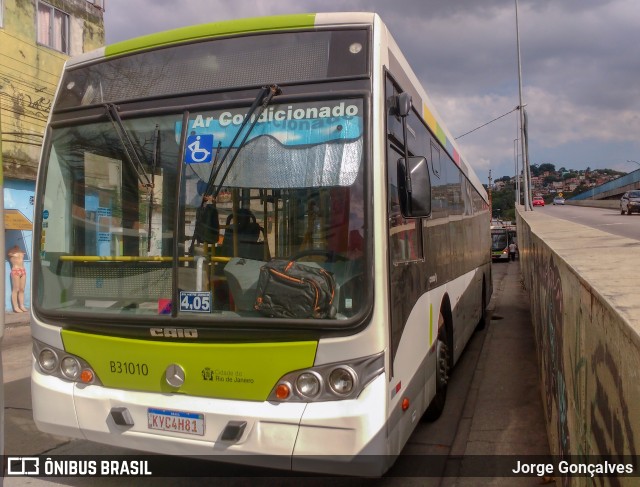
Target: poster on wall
18,205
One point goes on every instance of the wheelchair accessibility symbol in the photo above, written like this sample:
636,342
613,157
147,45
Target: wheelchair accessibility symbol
199,149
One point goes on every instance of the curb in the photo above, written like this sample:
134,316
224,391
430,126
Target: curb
16,319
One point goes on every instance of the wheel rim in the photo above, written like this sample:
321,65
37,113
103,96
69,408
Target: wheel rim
442,362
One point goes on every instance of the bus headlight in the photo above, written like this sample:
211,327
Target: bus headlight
308,384
48,360
63,365
342,381
70,368
329,382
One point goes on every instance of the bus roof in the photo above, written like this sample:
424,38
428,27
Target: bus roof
224,28
283,23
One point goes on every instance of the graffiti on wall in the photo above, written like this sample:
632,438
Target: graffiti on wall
589,396
36,105
611,426
577,384
551,344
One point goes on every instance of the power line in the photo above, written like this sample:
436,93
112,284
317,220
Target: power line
26,115
31,67
24,142
35,67
490,121
24,134
21,81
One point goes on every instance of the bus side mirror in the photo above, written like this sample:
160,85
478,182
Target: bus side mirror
403,104
415,190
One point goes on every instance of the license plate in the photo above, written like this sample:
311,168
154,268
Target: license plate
176,421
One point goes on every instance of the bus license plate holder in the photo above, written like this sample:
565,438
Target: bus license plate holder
176,421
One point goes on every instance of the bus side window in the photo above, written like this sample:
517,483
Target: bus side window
435,160
404,234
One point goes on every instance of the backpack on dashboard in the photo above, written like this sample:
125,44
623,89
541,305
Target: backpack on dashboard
289,289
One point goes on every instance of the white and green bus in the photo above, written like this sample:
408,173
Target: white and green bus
254,239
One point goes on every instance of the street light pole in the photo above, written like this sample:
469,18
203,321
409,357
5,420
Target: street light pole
631,160
490,197
525,162
517,178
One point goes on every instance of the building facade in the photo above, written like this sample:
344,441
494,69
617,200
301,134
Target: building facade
36,38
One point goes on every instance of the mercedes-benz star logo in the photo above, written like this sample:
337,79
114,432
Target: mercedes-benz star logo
174,375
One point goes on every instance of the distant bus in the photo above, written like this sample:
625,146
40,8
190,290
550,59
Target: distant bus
499,243
316,310
501,236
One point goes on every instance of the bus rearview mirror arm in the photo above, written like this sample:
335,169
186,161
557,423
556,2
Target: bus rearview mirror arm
413,172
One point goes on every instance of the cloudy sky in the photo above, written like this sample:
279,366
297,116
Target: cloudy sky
580,68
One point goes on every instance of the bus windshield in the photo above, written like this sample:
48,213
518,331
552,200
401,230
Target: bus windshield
129,227
498,239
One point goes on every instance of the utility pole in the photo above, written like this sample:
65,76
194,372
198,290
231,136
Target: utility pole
489,194
516,181
525,159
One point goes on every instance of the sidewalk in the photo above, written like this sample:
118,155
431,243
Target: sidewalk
16,319
509,414
504,413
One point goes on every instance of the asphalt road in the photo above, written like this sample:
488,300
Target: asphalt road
607,220
494,407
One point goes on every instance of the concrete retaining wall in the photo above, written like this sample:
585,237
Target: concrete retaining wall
583,286
595,203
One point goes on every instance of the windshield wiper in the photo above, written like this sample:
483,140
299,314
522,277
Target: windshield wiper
263,99
130,152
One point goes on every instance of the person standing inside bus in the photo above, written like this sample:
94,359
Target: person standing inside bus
513,248
207,224
18,278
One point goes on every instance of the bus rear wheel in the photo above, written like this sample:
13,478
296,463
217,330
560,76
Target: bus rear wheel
436,407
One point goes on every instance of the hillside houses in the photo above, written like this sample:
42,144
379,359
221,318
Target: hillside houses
561,181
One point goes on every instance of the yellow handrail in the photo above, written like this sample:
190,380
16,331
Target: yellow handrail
131,258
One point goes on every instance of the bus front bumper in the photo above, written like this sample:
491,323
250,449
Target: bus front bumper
316,437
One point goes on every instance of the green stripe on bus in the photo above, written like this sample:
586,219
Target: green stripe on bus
215,29
245,371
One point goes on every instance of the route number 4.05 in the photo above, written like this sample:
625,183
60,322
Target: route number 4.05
195,301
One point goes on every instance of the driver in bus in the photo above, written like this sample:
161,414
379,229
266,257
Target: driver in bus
207,225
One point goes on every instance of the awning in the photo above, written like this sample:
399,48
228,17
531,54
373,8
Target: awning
15,220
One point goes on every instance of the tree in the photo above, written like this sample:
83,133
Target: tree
547,167
535,170
552,178
504,199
